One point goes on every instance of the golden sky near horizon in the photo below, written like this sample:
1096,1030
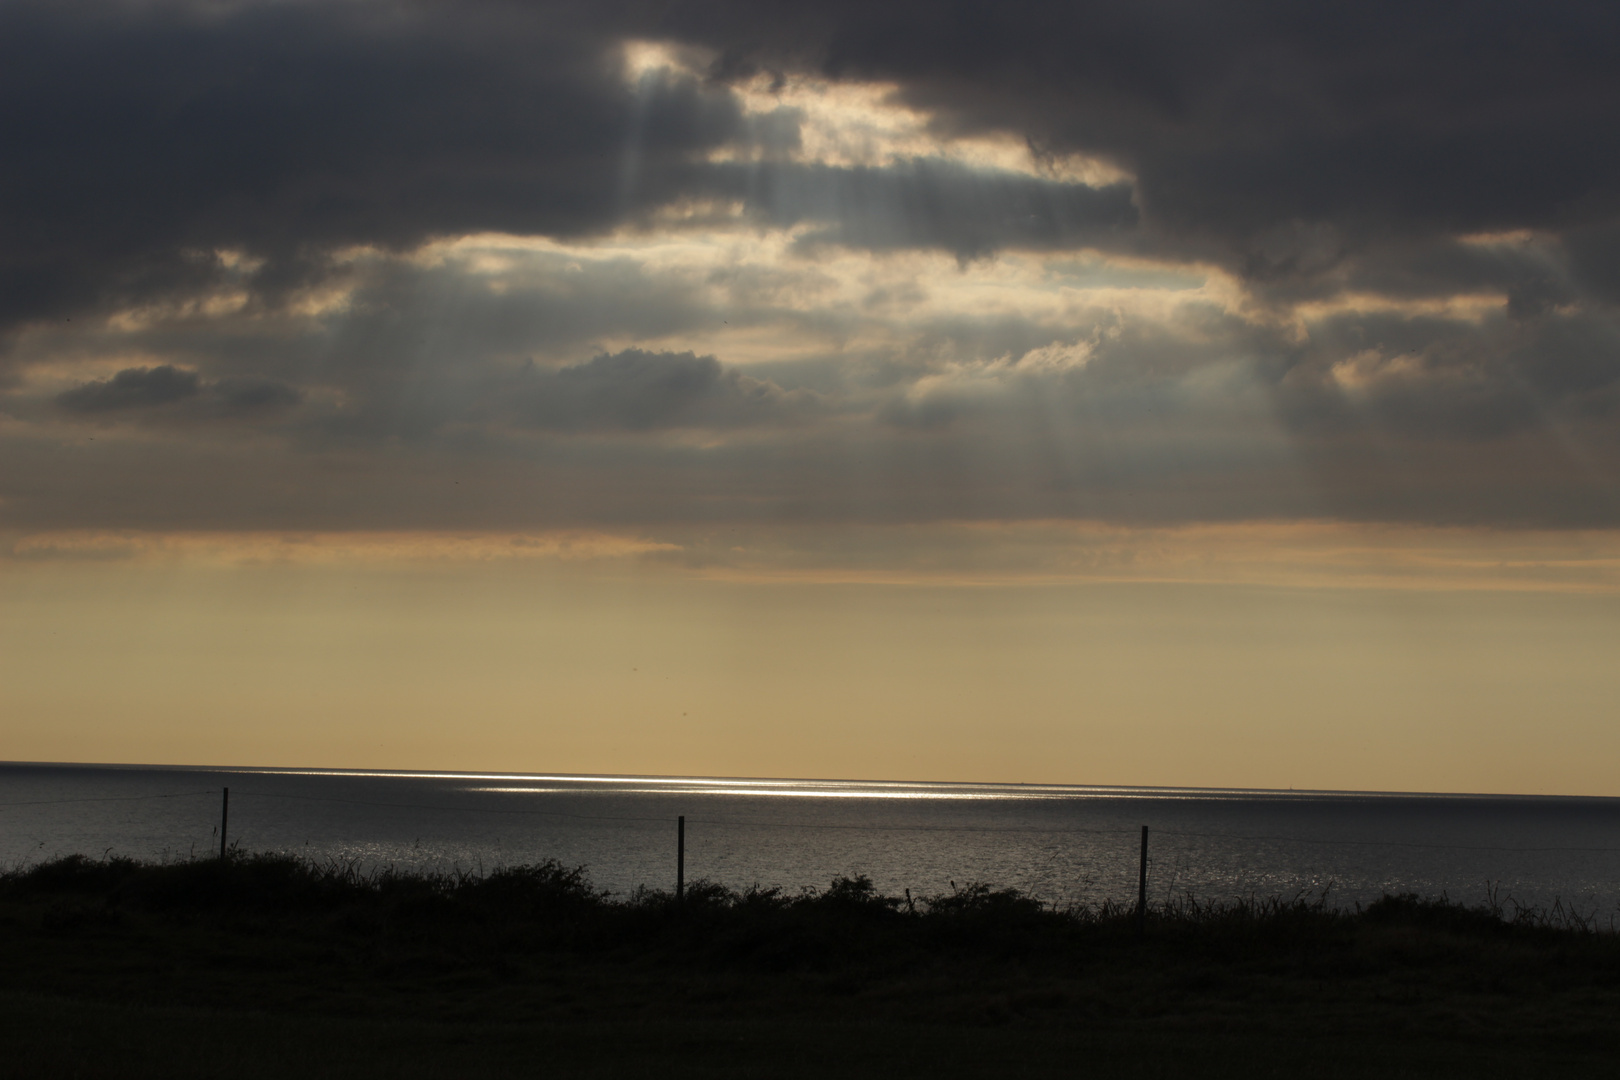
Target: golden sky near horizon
606,664
648,402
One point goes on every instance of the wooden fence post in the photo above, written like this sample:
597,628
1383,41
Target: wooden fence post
1141,888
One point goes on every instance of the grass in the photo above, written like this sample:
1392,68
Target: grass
272,965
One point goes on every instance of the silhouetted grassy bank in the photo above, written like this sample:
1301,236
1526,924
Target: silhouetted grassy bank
272,963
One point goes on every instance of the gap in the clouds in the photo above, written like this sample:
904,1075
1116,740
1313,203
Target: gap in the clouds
809,119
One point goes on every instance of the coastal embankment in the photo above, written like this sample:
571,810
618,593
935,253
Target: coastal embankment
271,965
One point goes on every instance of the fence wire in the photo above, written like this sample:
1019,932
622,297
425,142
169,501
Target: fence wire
836,826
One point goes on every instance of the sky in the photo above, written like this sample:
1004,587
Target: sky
1210,394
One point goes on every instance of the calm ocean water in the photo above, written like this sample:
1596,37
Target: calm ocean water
1063,844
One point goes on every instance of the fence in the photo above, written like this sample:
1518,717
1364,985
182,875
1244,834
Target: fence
680,822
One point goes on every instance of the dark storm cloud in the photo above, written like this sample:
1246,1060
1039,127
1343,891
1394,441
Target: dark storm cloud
1283,139
1242,115
1416,379
1433,377
1325,154
137,391
248,395
138,135
142,138
132,388
410,351
636,390
1595,259
1202,417
1532,274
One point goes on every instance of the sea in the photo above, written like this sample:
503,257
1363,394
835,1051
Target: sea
1062,844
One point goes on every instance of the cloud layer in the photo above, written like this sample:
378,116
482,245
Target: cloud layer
407,266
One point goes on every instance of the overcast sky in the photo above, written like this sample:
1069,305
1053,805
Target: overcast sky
761,295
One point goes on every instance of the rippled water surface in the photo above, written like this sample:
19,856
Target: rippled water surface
1060,843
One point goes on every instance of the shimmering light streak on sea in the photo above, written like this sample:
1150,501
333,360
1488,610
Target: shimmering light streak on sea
1065,844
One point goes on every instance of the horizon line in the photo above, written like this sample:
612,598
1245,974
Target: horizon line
1057,788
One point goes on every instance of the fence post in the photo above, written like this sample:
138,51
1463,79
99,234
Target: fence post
224,819
1141,889
680,857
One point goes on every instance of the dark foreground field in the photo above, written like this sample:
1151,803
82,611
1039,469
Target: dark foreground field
266,966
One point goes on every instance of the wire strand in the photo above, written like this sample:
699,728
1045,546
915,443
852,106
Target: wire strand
723,822
831,826
1377,843
107,798
1061,830
449,809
